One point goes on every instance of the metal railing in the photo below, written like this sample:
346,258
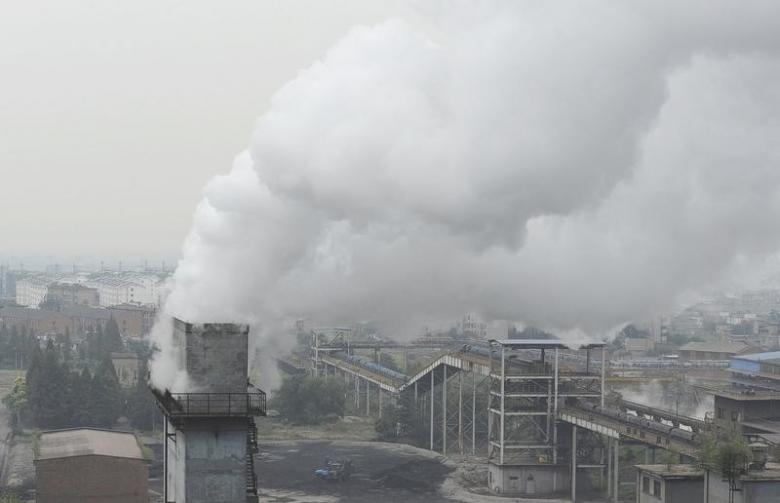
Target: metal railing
250,403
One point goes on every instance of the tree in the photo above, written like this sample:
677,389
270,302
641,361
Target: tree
309,400
388,426
141,409
728,456
106,393
112,337
16,401
47,390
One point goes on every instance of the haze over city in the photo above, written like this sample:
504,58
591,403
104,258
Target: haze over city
334,213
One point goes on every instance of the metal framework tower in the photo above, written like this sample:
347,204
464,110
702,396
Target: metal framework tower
530,380
210,434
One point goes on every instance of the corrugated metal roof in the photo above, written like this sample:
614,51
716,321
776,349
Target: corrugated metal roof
86,442
759,357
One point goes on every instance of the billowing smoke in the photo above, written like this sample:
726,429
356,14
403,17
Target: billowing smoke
571,165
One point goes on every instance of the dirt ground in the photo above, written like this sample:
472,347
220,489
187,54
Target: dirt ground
383,472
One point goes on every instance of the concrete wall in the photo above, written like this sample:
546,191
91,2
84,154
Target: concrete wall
215,463
762,492
176,465
215,356
767,491
514,479
87,479
684,491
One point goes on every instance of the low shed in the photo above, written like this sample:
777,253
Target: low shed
87,465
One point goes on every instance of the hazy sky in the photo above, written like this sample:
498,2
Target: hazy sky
114,114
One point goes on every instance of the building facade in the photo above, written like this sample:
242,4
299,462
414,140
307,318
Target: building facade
31,290
86,465
669,483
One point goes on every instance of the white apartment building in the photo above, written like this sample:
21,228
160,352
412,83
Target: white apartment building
127,288
31,290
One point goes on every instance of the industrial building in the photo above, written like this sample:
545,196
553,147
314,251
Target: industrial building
210,434
88,465
669,483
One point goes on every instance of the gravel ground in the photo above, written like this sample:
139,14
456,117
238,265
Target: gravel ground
383,473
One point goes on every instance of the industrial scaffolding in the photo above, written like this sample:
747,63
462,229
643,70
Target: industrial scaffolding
530,380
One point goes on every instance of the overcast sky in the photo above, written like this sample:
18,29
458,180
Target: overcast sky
114,114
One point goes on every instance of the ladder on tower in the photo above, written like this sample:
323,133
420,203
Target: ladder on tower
251,450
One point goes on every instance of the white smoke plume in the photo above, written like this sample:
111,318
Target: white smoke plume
571,165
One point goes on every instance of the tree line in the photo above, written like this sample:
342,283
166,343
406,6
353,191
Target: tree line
58,392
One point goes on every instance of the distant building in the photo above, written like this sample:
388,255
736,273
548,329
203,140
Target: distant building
133,320
126,367
713,350
77,319
32,290
71,294
669,483
638,344
85,464
471,326
128,288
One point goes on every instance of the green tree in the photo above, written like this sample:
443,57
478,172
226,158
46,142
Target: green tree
47,389
84,412
727,456
16,401
106,394
141,409
388,427
309,400
112,340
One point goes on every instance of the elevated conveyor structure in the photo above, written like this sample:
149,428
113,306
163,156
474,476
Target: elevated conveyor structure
522,402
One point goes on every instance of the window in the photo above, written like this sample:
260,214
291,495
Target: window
719,413
645,485
734,416
657,488
658,439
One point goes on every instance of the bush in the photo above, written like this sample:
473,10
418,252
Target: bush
309,400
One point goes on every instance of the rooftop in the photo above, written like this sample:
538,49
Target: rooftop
545,344
672,471
768,357
717,347
88,442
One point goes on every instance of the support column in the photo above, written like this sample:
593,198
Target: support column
460,411
609,468
444,410
474,414
432,384
555,420
501,432
165,459
603,372
573,464
617,470
379,390
368,398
